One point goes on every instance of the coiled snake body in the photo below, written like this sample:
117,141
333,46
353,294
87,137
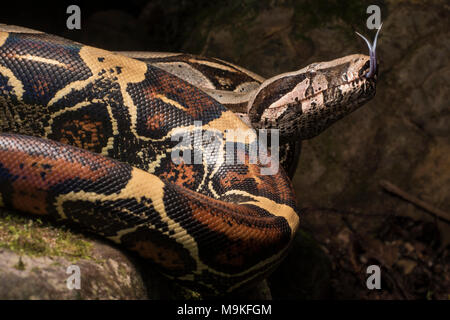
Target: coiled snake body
88,136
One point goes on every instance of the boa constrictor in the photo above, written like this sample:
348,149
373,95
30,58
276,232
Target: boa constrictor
87,136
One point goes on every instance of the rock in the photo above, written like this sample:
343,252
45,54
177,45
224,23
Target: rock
35,256
25,277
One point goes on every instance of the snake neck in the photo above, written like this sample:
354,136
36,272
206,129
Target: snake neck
300,104
303,103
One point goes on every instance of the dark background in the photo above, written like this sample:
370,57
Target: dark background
402,136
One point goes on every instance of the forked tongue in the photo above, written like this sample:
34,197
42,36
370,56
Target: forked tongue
372,53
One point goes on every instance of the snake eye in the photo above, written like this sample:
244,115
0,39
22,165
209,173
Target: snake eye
365,69
344,77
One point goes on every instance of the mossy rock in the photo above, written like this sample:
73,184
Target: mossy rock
35,256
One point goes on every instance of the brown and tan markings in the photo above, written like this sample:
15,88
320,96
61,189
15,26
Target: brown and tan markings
206,73
162,252
83,133
36,173
156,121
210,226
180,174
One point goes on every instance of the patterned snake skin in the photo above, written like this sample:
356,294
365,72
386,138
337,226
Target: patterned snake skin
89,137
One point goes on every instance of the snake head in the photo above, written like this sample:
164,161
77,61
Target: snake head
303,103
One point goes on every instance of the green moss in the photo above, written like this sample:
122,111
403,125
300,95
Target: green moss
123,271
191,295
33,237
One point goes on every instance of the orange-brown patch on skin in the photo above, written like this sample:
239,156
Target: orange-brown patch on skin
231,178
237,222
272,184
163,256
156,121
31,201
32,176
282,185
80,137
39,172
40,88
180,174
245,228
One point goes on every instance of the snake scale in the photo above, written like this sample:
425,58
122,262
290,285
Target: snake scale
88,137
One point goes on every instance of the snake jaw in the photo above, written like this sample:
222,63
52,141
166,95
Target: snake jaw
372,53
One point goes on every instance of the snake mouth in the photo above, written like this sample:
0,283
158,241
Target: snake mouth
373,68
